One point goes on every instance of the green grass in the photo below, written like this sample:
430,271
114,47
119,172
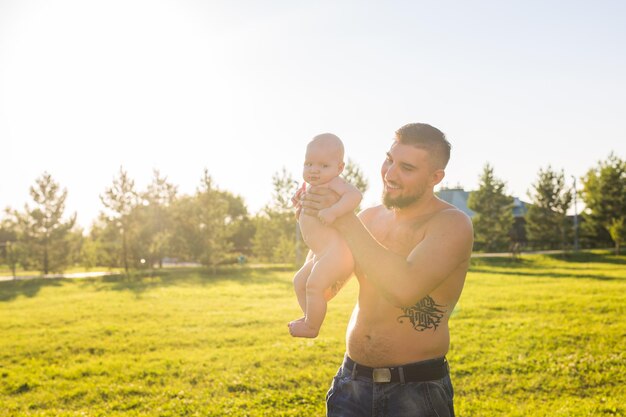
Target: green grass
542,336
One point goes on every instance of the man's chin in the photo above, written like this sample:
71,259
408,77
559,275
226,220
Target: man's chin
398,202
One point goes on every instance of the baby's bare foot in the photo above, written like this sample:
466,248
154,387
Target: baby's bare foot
299,328
291,323
300,319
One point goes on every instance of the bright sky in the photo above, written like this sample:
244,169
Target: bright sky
240,87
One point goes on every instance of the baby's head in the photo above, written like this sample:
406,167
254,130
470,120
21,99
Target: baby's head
323,160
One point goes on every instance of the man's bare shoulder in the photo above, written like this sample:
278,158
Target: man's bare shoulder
450,214
448,235
370,213
451,219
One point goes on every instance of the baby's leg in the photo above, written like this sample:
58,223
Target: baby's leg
299,283
334,265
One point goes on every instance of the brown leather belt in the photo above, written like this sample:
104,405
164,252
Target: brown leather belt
428,370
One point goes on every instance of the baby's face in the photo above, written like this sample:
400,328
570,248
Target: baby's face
321,164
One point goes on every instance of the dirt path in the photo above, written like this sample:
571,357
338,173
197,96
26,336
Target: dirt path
76,275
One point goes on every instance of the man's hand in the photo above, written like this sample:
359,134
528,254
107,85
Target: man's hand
316,199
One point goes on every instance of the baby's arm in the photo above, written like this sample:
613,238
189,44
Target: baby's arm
349,199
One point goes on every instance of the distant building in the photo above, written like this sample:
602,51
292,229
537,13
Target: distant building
458,198
520,208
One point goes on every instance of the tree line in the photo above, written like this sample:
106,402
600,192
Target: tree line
143,228
547,225
139,229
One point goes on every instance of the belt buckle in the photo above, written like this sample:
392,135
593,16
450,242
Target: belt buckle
381,375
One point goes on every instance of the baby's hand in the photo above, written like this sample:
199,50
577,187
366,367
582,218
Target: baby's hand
326,217
296,200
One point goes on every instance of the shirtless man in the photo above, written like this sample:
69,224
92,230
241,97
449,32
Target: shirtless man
412,254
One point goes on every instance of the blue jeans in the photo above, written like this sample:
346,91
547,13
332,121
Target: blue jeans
360,397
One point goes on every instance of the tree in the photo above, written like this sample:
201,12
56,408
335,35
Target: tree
45,233
546,220
617,230
277,236
213,214
493,220
353,174
120,199
11,248
153,218
240,228
89,253
604,194
200,232
75,240
101,246
284,187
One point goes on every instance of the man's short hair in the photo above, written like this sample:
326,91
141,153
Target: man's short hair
429,138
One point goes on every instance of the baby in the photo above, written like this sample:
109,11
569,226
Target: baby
332,261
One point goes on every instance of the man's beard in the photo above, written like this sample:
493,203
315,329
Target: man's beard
402,201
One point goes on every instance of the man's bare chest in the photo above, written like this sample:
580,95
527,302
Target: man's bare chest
397,237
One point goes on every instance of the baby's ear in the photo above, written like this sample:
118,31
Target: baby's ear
341,167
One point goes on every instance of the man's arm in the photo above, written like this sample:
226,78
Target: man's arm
405,281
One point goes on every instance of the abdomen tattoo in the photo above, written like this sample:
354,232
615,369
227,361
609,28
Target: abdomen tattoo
426,314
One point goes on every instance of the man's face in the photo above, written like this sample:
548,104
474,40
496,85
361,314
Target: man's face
407,174
321,164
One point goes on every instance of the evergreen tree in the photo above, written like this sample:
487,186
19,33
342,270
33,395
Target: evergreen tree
153,217
240,228
213,215
353,174
102,245
604,194
617,230
284,187
89,253
546,220
11,247
44,232
493,220
200,231
120,199
277,234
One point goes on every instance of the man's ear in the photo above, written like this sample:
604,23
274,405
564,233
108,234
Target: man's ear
437,176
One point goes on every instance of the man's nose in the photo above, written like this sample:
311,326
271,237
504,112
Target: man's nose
390,174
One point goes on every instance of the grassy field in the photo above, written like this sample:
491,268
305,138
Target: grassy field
541,336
